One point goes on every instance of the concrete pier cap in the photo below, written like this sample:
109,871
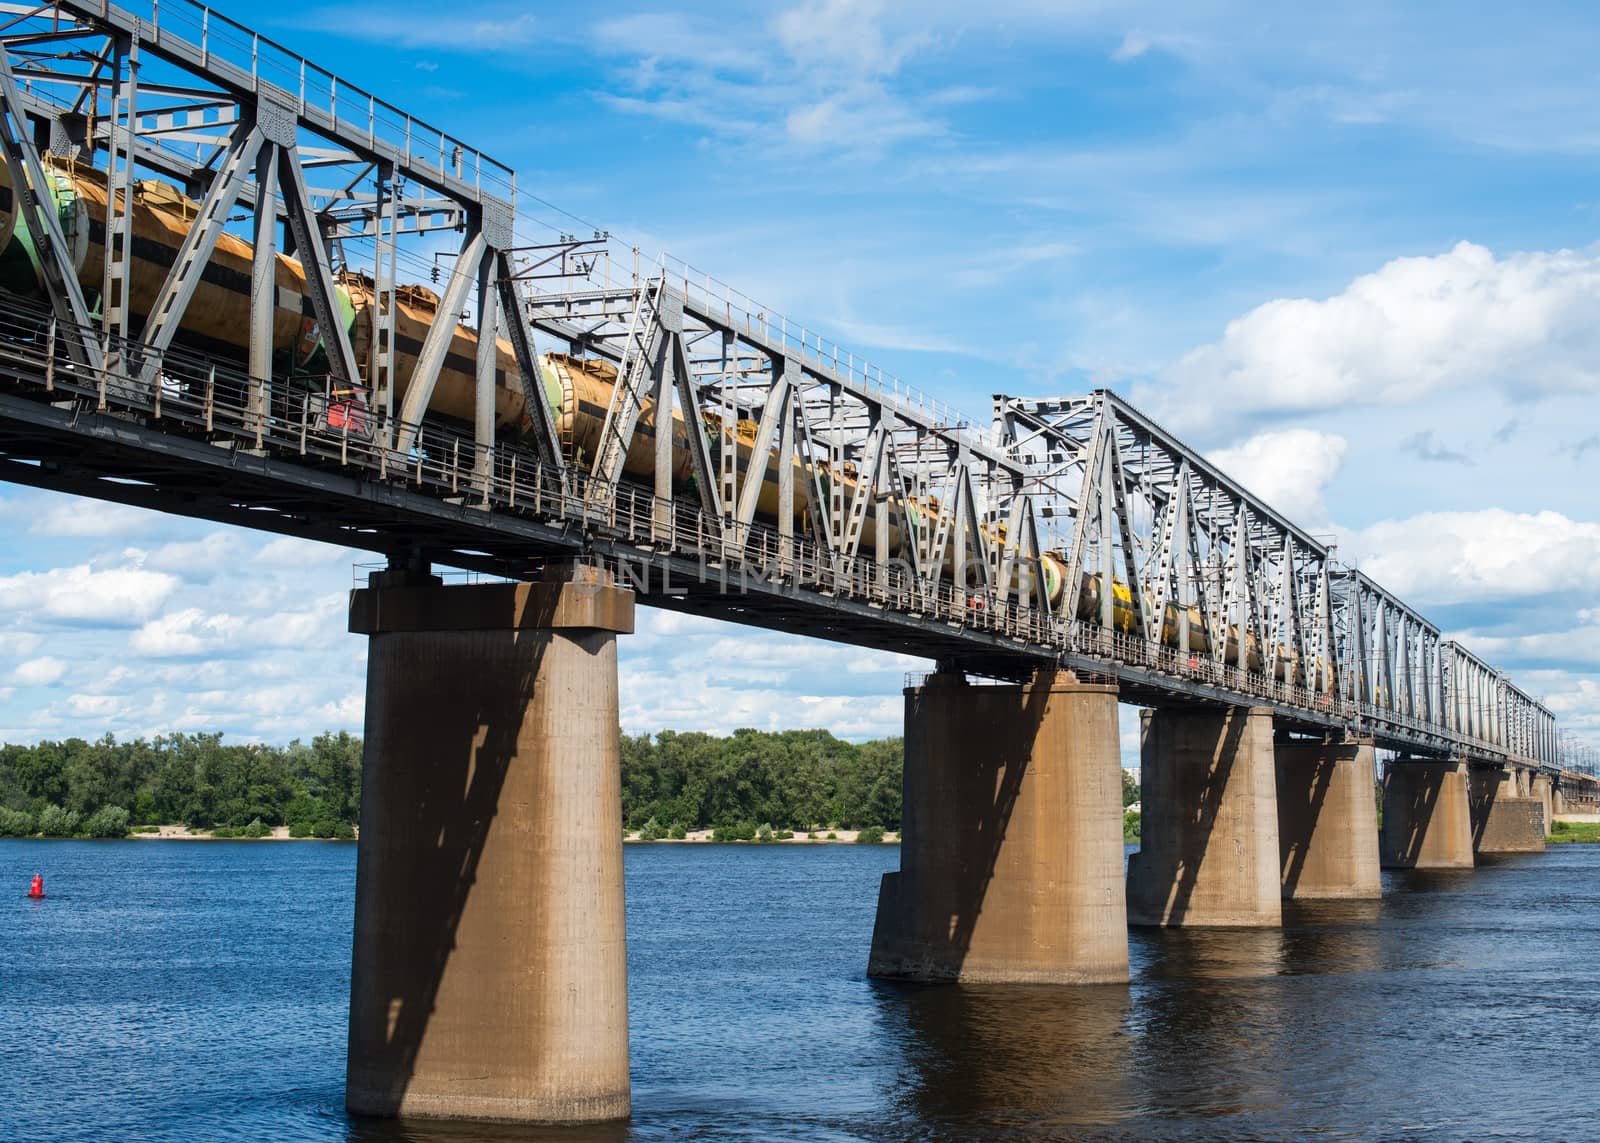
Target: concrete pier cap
489,972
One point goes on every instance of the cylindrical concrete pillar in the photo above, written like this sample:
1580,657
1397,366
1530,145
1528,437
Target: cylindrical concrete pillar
1427,821
489,975
1011,851
1208,851
1328,819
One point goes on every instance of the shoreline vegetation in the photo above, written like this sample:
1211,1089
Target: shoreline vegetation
1562,832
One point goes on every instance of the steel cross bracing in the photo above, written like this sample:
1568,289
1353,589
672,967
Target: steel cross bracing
837,501
325,169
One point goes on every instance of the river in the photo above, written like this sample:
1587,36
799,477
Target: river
198,990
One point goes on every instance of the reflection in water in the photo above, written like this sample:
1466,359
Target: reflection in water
1005,1055
445,1131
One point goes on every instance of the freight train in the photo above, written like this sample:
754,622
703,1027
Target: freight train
579,390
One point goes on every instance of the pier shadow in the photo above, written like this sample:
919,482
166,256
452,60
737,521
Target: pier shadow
1411,793
1483,788
968,749
1196,804
1300,803
982,813
438,752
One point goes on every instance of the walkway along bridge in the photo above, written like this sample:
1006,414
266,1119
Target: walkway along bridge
202,311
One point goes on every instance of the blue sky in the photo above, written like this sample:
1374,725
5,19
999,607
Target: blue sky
1349,252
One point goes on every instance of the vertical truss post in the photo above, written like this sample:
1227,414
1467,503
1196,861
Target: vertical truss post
264,281
1327,676
669,319
1089,508
483,406
380,357
122,138
786,463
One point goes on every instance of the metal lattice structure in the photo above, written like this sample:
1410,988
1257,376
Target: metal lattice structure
734,447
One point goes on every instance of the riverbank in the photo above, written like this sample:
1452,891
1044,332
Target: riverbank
692,837
802,837
1569,831
184,833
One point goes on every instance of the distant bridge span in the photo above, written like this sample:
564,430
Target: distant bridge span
203,311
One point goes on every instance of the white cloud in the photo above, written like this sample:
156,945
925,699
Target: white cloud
115,597
184,633
293,552
1457,557
91,518
16,644
1414,328
194,560
39,672
1288,469
849,38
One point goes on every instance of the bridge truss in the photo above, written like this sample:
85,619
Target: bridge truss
856,509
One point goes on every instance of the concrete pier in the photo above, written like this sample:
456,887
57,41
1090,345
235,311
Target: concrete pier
1209,852
1427,823
1328,819
1011,855
1503,821
489,975
1542,787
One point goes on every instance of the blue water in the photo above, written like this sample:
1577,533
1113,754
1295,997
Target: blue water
196,991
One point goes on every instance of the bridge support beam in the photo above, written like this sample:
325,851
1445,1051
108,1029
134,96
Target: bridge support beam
1328,819
1209,835
1011,858
1427,823
1502,820
489,972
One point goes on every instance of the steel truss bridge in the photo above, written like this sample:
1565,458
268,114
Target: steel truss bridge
96,401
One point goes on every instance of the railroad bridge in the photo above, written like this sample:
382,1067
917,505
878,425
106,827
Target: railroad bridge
209,253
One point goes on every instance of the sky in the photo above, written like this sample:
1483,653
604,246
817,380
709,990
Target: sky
1351,252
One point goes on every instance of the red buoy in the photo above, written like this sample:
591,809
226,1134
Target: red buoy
37,888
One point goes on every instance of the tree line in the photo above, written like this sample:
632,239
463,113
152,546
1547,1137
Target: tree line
76,788
671,782
799,779
791,779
